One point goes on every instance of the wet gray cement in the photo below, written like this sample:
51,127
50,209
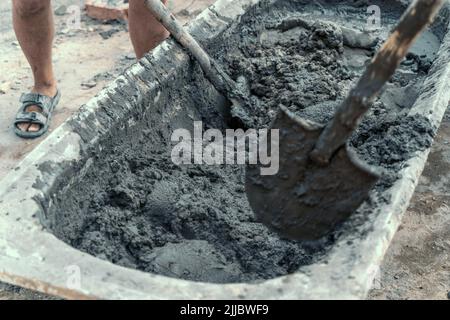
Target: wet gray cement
137,209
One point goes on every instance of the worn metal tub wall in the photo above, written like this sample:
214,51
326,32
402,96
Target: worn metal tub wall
34,258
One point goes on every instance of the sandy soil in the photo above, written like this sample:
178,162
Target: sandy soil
417,265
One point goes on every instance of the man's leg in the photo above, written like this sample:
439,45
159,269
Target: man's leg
145,31
33,24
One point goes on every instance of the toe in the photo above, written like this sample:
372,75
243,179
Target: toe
34,128
23,126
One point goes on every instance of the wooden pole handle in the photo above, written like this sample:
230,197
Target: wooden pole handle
217,77
418,16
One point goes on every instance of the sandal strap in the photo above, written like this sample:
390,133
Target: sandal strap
31,117
34,97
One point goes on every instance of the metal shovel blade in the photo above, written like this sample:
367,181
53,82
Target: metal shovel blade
305,201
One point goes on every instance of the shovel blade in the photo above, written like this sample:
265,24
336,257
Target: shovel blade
305,201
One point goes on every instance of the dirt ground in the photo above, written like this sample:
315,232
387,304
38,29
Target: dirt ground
417,265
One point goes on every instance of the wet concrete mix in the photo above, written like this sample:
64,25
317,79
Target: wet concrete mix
137,209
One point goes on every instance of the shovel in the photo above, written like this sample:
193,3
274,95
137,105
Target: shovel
321,181
218,78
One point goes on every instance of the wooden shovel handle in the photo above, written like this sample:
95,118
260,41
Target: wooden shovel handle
418,16
219,80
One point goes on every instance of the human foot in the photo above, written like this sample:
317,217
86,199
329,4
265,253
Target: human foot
49,91
33,117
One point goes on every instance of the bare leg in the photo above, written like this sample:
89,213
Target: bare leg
33,24
145,31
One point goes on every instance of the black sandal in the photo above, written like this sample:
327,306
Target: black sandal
42,117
